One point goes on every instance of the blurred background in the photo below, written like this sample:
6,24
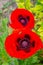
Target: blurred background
6,7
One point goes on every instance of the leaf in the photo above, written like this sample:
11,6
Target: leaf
5,63
27,4
21,62
17,1
4,24
40,29
35,59
16,61
37,8
1,43
21,0
20,5
40,15
41,1
4,36
0,11
26,62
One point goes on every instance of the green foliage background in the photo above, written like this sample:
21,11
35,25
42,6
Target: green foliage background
36,7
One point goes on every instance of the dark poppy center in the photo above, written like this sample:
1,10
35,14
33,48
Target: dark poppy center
25,43
23,20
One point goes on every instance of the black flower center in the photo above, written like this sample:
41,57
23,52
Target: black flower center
23,20
25,43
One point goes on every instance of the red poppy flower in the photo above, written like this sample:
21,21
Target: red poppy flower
42,46
22,44
21,18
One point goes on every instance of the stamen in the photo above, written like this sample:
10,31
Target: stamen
24,44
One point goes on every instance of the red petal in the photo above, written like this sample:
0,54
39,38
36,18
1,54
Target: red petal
10,44
14,23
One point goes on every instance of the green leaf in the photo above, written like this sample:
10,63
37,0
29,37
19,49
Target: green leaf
36,59
37,8
21,62
40,29
5,63
20,5
21,0
16,61
4,24
0,11
40,1
26,62
1,43
4,36
27,4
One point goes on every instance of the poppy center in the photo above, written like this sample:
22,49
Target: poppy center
23,20
25,43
